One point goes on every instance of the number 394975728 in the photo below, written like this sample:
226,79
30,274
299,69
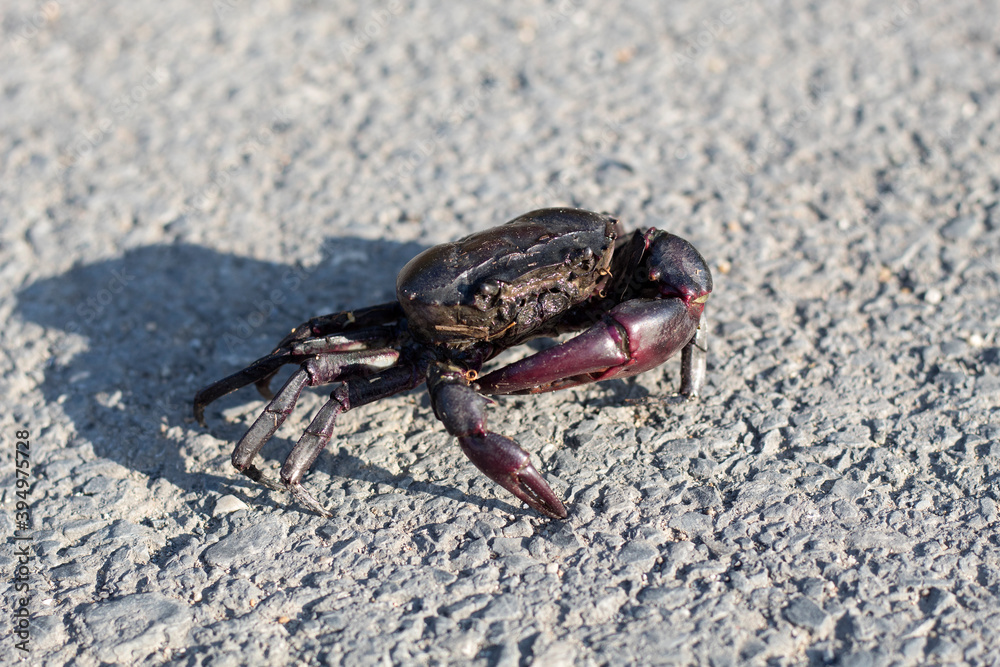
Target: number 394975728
23,465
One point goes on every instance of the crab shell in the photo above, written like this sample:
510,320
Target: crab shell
502,283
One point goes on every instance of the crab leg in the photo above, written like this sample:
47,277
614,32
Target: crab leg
327,341
694,364
261,371
264,367
463,413
635,336
351,394
346,320
313,372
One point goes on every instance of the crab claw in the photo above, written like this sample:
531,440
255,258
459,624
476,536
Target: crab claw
503,461
463,413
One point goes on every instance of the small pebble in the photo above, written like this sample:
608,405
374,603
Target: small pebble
228,504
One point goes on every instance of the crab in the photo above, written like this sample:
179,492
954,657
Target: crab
636,298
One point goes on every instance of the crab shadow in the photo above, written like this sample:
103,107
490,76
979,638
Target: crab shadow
156,324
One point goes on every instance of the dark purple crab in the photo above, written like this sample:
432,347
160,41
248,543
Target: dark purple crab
638,298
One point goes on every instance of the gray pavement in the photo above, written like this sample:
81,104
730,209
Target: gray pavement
183,182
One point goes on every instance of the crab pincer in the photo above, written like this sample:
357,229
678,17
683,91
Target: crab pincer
463,412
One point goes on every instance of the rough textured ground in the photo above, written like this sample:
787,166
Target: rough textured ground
183,182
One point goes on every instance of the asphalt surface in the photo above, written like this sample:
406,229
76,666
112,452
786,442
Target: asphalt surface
183,182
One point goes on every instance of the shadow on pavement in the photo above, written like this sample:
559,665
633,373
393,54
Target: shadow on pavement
163,321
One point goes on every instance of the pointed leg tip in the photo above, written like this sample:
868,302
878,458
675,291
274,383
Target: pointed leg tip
304,497
264,388
198,409
674,399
